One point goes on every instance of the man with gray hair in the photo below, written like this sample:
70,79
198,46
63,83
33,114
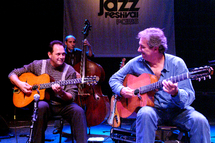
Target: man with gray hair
172,101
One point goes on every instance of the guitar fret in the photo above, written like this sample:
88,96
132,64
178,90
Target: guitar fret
62,83
157,85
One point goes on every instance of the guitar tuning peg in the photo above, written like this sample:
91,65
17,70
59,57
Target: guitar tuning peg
204,78
199,79
209,76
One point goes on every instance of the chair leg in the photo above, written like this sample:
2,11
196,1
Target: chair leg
72,137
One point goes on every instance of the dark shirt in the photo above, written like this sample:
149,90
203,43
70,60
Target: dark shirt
74,57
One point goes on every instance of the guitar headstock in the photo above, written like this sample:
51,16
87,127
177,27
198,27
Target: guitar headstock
91,80
122,63
201,73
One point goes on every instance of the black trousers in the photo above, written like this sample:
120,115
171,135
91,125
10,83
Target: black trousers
72,113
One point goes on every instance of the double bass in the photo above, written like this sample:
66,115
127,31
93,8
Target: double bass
90,97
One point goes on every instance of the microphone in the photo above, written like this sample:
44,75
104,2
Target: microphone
36,97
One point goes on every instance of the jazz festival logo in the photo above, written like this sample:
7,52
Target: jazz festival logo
124,11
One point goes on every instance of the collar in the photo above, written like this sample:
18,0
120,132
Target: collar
166,65
68,51
59,68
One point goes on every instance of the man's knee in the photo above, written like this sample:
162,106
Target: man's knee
76,110
79,110
146,112
198,118
43,107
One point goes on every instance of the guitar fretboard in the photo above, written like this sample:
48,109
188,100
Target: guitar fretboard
157,85
61,83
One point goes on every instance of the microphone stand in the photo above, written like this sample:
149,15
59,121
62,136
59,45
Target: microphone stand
34,117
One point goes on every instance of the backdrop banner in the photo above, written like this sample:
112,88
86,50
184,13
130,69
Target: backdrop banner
116,23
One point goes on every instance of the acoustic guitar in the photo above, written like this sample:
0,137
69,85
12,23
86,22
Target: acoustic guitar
40,84
145,86
114,119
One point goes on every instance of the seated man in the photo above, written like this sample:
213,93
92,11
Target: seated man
172,102
61,99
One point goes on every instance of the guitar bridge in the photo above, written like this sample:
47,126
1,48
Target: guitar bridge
17,91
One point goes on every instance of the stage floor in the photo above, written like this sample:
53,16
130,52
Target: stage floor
102,130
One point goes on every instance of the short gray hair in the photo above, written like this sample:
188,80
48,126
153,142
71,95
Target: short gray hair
155,38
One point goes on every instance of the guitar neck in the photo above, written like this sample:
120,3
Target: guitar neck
61,83
157,85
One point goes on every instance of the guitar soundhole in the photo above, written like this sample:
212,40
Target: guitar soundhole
35,87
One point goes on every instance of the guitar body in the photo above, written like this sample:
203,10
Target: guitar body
20,99
126,106
114,118
40,84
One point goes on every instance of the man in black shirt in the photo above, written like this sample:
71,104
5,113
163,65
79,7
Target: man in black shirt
73,55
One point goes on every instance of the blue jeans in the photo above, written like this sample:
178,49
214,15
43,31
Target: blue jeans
148,118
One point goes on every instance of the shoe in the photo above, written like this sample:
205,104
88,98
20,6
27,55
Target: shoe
56,131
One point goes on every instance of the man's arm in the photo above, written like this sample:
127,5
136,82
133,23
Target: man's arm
13,76
63,94
116,82
182,93
90,52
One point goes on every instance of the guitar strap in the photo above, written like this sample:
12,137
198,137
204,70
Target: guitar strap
43,70
64,73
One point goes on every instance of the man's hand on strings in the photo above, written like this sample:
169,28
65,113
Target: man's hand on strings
57,89
169,87
78,75
86,43
25,87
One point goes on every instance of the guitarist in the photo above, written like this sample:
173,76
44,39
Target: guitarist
72,57
61,98
172,102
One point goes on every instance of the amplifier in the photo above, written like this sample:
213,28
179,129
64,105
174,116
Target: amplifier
122,135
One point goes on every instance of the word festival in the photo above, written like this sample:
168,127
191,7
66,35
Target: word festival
119,10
